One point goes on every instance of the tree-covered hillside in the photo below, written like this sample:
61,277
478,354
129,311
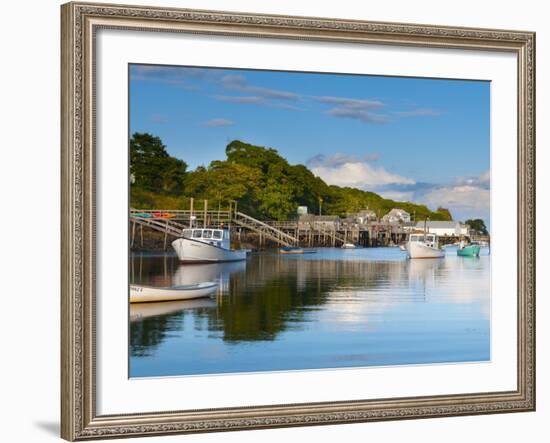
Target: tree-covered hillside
263,183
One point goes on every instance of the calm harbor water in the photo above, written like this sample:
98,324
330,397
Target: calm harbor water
335,308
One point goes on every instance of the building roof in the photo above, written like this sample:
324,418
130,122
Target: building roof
398,211
440,224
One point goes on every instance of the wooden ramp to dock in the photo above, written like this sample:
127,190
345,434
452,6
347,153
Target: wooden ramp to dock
264,229
181,219
168,226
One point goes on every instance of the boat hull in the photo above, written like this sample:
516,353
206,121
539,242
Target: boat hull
192,251
141,311
469,251
291,251
419,250
146,294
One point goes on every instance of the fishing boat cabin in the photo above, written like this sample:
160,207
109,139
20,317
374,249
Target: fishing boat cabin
215,237
429,240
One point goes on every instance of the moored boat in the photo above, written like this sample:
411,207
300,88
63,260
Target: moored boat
468,250
291,250
424,246
207,246
143,294
348,246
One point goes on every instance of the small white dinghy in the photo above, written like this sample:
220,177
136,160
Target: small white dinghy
349,246
143,294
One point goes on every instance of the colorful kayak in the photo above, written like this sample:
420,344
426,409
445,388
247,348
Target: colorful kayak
163,215
469,251
142,215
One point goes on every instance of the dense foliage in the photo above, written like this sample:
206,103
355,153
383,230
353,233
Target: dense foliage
153,169
263,183
477,225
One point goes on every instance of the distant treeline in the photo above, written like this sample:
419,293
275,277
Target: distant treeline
263,183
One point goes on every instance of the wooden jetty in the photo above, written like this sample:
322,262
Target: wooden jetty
305,231
183,219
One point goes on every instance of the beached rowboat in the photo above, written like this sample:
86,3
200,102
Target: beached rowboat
142,294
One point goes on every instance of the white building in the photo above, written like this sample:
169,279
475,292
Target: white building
364,216
446,228
397,215
302,210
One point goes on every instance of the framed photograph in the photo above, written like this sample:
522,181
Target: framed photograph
277,221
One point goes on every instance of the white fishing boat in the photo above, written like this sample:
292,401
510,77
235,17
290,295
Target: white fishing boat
207,246
424,246
143,294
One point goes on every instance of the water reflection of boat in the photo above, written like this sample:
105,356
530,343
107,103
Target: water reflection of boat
140,311
187,275
207,245
143,294
423,269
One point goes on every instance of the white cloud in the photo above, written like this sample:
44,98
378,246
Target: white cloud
216,122
354,103
466,197
482,180
243,99
421,112
357,114
465,201
239,83
485,177
353,108
175,76
344,170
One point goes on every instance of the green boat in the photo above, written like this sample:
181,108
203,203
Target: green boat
469,251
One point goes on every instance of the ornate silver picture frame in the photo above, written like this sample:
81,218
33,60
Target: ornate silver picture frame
80,23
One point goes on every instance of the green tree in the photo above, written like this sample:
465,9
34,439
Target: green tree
263,183
152,168
276,198
223,182
477,225
445,213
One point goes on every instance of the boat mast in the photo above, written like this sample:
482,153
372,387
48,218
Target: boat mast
425,230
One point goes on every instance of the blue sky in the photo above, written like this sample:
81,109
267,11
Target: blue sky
422,140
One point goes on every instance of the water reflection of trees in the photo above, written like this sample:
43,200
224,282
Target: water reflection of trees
147,333
273,295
